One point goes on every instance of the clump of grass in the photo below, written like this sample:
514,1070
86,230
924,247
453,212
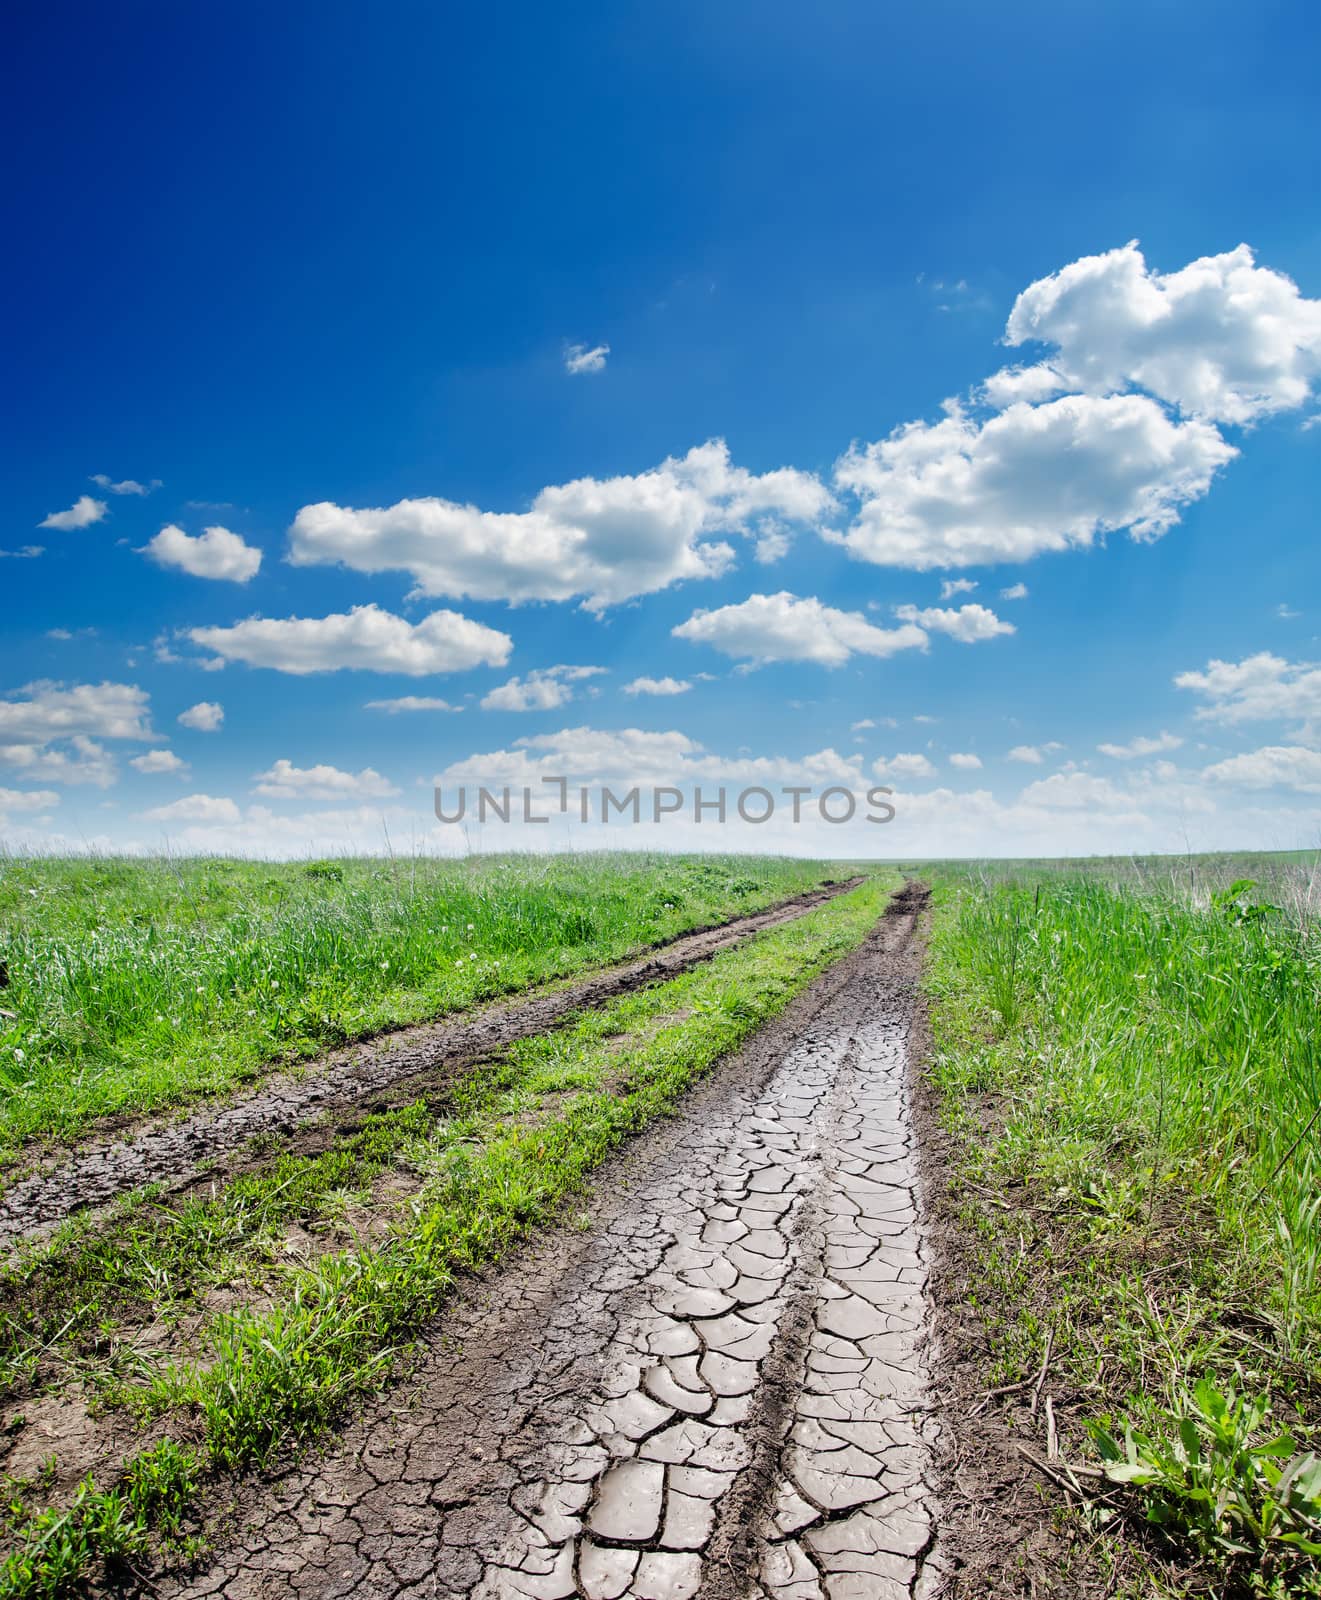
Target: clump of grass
133,984
59,1551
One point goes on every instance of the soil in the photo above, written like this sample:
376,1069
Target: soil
175,1153
716,1385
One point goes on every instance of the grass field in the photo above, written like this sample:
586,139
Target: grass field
211,1333
1130,1056
133,985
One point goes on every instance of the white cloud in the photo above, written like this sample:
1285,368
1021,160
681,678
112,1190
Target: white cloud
1142,746
215,553
126,486
607,539
861,724
909,765
967,761
365,639
1015,591
1027,753
1221,339
82,760
541,690
159,761
1286,613
658,686
284,781
578,358
28,552
81,514
1076,791
1013,384
960,492
969,624
27,800
49,711
410,702
1288,766
592,754
781,627
194,808
951,586
771,543
205,717
1260,688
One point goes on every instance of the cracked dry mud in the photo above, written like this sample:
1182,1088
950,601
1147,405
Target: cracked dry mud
714,1390
172,1152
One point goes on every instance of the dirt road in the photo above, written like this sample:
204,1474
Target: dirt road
170,1152
713,1388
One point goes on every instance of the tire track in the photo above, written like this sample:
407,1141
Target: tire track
717,1391
172,1152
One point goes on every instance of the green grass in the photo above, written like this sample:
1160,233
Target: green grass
136,984
1149,1060
517,1139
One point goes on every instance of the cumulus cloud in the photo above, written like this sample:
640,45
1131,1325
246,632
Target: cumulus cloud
658,686
541,690
1012,384
591,754
81,760
1015,591
969,624
1029,754
912,764
125,486
965,760
1221,339
205,717
1031,479
284,781
1260,688
781,627
81,514
194,808
214,553
1288,766
159,761
1142,746
1076,791
27,800
410,702
365,639
579,359
951,586
43,712
608,539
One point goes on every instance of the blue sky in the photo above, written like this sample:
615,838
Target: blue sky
320,278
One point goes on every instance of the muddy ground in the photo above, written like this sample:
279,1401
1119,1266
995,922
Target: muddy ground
172,1152
716,1385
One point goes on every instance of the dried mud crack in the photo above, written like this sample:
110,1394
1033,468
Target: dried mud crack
172,1153
715,1388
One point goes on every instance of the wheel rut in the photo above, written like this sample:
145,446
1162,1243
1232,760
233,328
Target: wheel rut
172,1153
715,1388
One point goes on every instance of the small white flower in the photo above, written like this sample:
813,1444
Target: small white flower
19,1056
275,983
385,966
471,926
